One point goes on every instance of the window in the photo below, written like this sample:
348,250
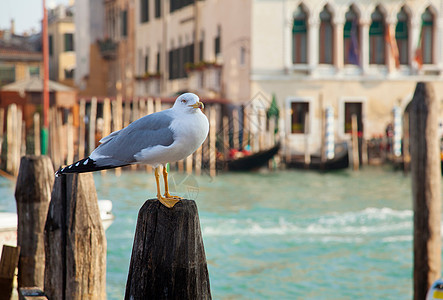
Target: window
158,61
326,41
50,45
144,11
146,63
177,4
402,37
201,47
34,71
426,34
377,38
242,56
353,108
7,74
124,24
299,112
351,36
217,41
69,73
69,42
299,35
158,9
178,59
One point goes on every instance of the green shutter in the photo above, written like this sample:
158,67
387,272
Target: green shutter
377,28
401,31
299,26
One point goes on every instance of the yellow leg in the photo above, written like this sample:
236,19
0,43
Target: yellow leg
165,177
169,202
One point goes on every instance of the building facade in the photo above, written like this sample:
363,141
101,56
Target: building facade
360,58
20,56
61,32
193,46
89,28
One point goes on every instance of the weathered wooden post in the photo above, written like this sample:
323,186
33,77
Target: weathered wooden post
75,242
168,258
8,264
32,194
426,176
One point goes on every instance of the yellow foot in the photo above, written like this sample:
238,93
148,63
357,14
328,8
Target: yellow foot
169,202
167,195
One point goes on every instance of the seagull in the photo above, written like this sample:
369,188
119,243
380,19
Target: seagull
156,139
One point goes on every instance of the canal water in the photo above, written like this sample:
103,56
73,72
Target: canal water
279,235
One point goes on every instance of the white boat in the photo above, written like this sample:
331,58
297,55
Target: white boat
8,223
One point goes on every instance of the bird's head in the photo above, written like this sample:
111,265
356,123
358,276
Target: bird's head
188,102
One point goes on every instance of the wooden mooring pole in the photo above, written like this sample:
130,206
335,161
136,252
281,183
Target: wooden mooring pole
426,176
168,258
32,194
75,242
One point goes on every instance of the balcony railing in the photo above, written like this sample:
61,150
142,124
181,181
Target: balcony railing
108,48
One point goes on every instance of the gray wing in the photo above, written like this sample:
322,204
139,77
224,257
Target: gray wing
120,147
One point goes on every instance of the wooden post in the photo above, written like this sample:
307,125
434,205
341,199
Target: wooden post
198,161
406,154
32,194
8,264
70,139
75,243
92,121
106,121
168,258
2,121
235,128
81,128
37,145
426,176
307,157
354,137
226,144
61,138
212,136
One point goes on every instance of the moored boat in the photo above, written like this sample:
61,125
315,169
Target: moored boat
340,160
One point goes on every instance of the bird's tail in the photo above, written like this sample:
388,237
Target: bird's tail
85,165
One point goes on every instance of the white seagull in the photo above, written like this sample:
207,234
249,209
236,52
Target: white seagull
156,139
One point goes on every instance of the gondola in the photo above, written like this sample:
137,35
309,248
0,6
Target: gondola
340,160
253,161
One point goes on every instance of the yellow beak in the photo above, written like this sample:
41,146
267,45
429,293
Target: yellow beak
198,105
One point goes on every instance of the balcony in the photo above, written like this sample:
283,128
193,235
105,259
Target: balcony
108,48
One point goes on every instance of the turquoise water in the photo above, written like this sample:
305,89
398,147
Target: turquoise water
279,235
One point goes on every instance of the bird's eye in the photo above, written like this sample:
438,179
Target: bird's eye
184,101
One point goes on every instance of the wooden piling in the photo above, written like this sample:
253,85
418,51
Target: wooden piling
307,157
81,128
426,176
168,259
37,145
406,154
8,264
32,194
354,140
235,128
2,121
75,243
70,140
92,121
212,139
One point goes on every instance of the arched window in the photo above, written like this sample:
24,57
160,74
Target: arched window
326,37
377,38
402,36
351,37
299,37
426,36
